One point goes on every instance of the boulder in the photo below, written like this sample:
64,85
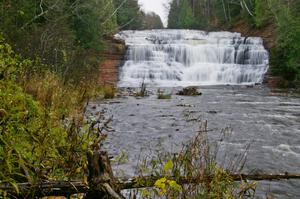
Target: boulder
189,91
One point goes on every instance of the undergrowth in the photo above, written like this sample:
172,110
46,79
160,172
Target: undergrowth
43,135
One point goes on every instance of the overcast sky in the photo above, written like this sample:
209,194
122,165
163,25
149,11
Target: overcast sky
156,6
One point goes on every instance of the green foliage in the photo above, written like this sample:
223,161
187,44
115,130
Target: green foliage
109,92
186,17
286,54
173,16
25,140
196,162
34,145
9,63
91,21
42,131
261,13
128,14
65,36
164,185
181,15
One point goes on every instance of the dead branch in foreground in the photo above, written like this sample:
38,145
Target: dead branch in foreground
67,188
149,181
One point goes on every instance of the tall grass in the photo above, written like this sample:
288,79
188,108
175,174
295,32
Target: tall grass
196,163
43,134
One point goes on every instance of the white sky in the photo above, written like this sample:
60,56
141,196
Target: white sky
156,6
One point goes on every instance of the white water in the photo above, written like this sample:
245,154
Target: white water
170,58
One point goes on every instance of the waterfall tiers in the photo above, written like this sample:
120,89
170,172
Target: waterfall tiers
169,58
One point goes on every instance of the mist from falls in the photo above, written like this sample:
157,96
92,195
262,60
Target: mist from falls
168,58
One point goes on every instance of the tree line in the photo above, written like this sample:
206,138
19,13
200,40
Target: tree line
283,15
62,32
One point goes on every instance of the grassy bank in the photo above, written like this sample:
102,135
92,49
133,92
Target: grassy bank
43,132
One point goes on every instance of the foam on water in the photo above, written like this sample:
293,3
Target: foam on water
190,57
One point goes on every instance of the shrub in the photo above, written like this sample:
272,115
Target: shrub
195,163
109,92
162,95
42,131
143,90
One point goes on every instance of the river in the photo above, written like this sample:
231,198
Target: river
271,124
232,66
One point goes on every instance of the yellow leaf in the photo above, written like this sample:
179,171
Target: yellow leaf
169,165
173,184
78,170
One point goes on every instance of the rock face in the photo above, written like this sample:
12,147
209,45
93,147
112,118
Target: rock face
112,60
267,33
274,81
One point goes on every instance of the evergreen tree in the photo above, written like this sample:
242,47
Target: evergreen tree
181,15
173,14
128,14
91,22
186,17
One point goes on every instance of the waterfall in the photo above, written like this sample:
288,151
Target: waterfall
168,58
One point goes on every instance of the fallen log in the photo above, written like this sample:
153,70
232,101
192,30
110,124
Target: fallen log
67,188
149,181
46,188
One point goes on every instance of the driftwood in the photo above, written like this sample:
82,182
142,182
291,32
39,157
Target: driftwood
149,181
101,183
47,188
104,187
101,179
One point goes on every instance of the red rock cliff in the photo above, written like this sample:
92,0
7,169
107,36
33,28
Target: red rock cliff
112,60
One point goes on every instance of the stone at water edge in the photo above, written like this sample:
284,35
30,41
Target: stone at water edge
189,91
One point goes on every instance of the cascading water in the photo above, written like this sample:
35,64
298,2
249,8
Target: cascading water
170,58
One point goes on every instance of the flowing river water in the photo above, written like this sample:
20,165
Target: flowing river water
227,62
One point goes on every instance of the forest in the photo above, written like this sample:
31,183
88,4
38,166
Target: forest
49,62
49,65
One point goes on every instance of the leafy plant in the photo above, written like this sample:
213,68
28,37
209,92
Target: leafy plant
194,173
109,92
42,131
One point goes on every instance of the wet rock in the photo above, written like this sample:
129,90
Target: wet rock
212,112
114,102
165,115
185,105
189,91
